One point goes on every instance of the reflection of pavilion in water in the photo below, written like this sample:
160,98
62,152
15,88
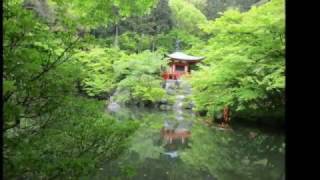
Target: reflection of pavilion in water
176,135
179,130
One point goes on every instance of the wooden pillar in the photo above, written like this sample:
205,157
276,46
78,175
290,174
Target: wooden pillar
173,67
226,113
186,68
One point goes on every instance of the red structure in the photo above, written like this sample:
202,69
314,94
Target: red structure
179,65
170,135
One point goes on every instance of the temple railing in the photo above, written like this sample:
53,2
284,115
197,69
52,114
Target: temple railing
173,75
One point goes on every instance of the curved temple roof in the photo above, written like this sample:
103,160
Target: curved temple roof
183,56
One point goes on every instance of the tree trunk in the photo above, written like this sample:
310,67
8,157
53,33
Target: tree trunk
140,44
153,45
116,43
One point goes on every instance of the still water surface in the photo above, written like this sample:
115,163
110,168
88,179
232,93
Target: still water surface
175,145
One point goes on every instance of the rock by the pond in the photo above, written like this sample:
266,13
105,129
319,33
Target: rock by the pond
173,154
252,135
218,115
171,91
179,118
180,97
113,107
164,107
246,160
179,112
187,105
261,162
164,101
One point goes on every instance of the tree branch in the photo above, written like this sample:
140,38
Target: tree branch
7,97
56,62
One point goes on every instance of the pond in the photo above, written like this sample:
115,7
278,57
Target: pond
175,144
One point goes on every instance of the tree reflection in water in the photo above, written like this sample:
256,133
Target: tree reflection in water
163,148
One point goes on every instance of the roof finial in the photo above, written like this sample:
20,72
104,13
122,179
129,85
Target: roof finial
178,45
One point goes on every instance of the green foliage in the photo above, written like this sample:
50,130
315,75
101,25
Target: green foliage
213,9
129,41
188,40
199,4
135,43
157,21
35,80
244,61
139,77
49,130
97,67
186,16
139,33
94,13
106,69
70,147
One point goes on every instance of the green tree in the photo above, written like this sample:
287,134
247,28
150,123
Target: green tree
139,77
245,62
97,67
185,16
213,9
49,130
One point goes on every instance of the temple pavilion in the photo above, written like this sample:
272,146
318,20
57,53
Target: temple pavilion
179,63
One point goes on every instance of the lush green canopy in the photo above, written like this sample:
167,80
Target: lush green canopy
244,66
61,66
